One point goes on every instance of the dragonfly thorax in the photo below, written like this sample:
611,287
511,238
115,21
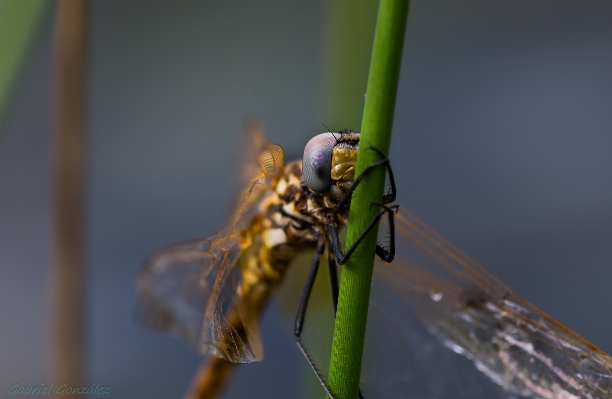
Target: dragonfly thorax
302,214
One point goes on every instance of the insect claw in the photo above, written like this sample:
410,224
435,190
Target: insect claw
386,207
379,152
377,204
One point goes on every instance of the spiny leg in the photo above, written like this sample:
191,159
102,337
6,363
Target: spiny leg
333,277
385,254
301,315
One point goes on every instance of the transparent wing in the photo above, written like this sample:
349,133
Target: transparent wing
433,298
262,163
193,289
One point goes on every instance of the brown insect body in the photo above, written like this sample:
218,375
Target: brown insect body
212,292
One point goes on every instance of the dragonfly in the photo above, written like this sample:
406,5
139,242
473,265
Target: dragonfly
439,325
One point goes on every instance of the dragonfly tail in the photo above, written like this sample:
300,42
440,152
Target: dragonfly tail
211,379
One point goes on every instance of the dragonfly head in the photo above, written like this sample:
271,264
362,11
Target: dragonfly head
329,161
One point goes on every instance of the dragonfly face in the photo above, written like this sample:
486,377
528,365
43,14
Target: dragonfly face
212,292
329,163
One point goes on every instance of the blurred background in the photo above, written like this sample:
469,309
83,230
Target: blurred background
502,142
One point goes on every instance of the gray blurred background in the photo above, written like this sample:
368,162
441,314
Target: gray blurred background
502,142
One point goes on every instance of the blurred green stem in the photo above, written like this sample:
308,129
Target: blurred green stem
18,22
349,331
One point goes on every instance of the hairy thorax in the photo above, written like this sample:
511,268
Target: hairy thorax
290,220
300,214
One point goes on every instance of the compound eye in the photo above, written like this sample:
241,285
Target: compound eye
316,164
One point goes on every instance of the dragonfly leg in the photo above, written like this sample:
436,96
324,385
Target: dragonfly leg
333,277
301,315
387,198
386,254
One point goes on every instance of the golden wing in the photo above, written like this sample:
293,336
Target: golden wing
262,163
432,289
193,289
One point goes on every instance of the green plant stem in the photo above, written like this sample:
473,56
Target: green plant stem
19,20
349,331
342,90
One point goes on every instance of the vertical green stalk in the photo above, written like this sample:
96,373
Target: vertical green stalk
345,62
349,331
19,21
